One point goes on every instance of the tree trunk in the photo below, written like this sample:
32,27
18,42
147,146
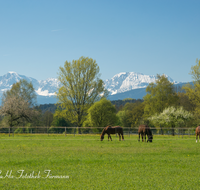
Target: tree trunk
173,131
161,130
79,129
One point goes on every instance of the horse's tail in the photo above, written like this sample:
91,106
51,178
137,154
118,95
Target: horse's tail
198,130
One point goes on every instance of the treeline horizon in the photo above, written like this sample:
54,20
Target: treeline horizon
83,102
119,104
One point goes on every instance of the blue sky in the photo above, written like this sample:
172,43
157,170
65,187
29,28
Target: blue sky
146,36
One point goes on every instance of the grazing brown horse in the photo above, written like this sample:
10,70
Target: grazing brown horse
198,133
112,130
145,130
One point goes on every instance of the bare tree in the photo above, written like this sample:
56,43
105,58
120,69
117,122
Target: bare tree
18,106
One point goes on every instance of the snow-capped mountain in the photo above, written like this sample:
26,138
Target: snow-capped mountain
45,89
127,81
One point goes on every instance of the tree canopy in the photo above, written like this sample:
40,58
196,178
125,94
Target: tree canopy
22,89
131,114
18,102
172,116
160,95
101,114
60,118
81,86
193,91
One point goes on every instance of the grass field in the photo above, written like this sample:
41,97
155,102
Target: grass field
84,162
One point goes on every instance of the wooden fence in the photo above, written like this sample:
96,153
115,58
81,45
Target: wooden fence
91,130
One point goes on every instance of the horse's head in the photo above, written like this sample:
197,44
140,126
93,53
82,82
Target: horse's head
150,138
102,134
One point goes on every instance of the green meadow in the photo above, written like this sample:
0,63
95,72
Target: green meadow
85,162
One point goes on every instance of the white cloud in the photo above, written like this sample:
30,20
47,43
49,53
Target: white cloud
44,92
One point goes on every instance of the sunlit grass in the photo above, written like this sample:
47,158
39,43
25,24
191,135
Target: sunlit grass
167,163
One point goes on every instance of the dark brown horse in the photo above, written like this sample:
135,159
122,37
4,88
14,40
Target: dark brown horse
145,130
112,130
198,133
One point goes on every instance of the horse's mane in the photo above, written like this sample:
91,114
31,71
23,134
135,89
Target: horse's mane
103,132
107,127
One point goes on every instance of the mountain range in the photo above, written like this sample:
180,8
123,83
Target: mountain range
120,86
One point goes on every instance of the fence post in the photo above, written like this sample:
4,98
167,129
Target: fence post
74,131
182,133
65,131
178,132
161,130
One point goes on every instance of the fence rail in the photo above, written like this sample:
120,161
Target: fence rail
92,130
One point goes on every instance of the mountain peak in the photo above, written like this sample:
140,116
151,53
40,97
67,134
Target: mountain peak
126,81
45,88
119,83
12,72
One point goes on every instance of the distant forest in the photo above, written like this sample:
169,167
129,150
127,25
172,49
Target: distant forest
118,105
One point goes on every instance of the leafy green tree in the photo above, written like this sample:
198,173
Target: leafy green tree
101,114
193,91
60,120
80,88
47,118
123,121
132,114
135,115
171,116
18,103
160,95
185,102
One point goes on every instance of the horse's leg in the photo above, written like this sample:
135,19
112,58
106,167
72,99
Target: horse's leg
196,138
122,136
119,136
142,137
139,138
109,136
145,137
